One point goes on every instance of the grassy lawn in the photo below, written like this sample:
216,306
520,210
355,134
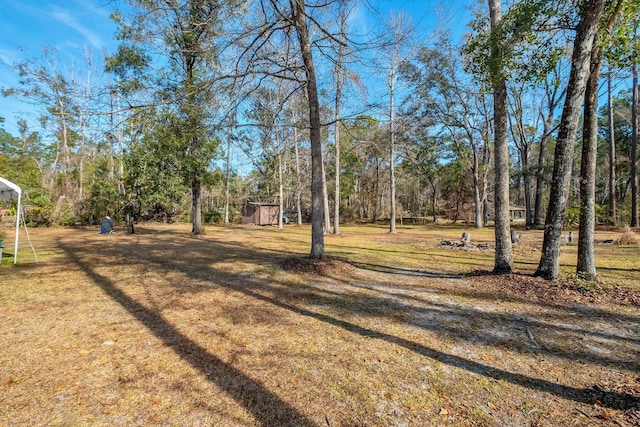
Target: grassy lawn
236,328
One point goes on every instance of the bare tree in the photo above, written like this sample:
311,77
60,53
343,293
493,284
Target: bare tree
326,225
447,96
339,74
523,136
553,94
299,17
44,82
298,187
291,19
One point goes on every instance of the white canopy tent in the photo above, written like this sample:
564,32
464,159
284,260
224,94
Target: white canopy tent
9,190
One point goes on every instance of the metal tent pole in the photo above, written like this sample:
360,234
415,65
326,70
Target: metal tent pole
15,250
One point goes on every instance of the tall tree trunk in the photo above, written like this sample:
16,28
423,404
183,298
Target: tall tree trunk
298,183
485,211
612,152
586,267
518,183
434,202
553,96
119,136
196,205
477,200
112,126
518,133
336,198
527,186
317,235
280,192
503,254
634,146
537,208
376,193
338,71
83,125
392,142
325,203
227,180
549,266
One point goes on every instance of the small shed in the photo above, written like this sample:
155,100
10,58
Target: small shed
517,213
260,214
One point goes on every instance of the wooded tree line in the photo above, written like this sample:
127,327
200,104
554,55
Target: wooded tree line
339,124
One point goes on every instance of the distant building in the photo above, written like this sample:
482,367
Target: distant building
260,214
516,213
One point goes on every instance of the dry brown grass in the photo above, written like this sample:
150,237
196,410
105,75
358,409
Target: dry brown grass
235,328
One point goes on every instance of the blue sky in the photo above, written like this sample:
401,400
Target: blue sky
68,25
72,27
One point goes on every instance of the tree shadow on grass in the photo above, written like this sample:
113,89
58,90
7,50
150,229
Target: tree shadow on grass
248,392
199,258
585,311
265,406
378,268
613,400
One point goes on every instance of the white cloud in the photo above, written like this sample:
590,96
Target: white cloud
9,56
65,17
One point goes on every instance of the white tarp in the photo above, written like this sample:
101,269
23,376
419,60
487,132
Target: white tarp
9,190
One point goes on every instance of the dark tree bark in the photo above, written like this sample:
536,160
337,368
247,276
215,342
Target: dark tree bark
326,224
338,75
503,254
298,181
612,153
549,266
392,142
523,146
586,258
280,190
537,205
553,97
196,206
227,179
527,187
434,201
586,267
475,192
317,207
634,147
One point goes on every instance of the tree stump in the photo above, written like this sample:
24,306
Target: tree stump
466,239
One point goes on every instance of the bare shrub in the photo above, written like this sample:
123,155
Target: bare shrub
629,237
